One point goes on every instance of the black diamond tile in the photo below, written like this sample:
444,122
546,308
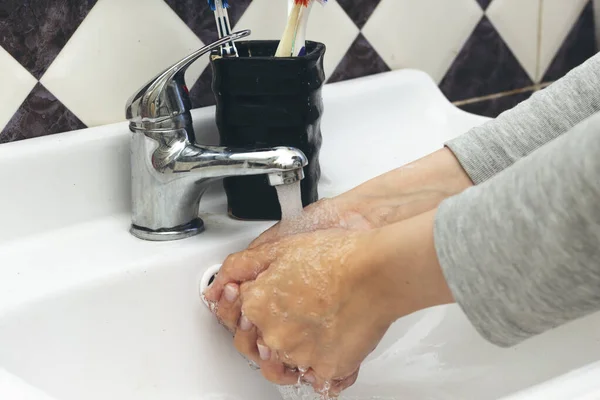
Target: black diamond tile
484,66
40,114
360,60
359,11
579,45
494,107
35,31
201,19
201,93
484,3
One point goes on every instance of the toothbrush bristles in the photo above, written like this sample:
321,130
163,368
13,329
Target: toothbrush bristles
305,3
213,6
219,7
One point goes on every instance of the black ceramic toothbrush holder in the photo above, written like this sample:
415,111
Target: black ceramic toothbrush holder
264,101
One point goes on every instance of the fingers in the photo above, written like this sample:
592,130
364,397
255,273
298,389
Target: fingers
338,386
239,267
333,387
272,368
320,385
250,345
230,307
245,340
275,372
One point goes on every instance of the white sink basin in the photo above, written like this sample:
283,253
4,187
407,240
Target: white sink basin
89,312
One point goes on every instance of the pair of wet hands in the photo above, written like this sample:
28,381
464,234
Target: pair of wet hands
293,304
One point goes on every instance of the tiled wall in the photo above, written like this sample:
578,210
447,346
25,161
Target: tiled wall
68,64
518,47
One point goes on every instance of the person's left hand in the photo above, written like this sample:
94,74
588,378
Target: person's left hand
310,306
324,300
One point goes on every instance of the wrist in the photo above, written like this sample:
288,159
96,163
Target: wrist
407,191
405,266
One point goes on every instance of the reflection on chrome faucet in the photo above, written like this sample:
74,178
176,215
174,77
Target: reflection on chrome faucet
170,172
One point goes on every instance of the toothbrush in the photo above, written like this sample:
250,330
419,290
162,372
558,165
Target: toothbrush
219,7
292,43
287,41
299,46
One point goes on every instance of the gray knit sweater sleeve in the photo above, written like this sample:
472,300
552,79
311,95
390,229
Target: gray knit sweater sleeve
497,144
521,250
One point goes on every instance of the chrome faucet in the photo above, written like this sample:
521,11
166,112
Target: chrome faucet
170,171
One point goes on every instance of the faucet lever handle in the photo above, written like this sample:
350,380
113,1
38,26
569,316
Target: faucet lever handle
164,102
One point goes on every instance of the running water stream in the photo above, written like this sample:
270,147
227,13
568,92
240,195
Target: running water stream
290,201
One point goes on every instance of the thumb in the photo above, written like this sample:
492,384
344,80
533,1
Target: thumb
240,267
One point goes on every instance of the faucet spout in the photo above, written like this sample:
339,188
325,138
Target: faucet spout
218,162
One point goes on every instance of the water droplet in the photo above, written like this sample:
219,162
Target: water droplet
324,392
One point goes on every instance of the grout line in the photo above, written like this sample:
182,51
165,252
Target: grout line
538,62
596,11
533,88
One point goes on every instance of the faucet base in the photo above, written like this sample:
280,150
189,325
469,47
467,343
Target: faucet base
165,234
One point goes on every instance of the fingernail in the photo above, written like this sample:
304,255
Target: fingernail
245,324
264,352
231,293
309,378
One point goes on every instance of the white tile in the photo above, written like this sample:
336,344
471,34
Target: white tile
422,34
329,24
333,27
558,18
265,18
15,84
119,47
517,22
